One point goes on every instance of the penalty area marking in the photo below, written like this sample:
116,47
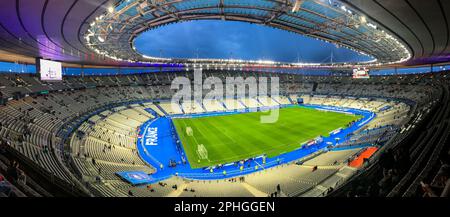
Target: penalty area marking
202,152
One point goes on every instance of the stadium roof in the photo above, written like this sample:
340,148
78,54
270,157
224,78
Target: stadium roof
101,32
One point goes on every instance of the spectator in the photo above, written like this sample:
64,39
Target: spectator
3,145
13,172
22,177
441,185
5,187
387,161
373,190
402,161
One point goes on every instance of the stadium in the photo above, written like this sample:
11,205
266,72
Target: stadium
98,100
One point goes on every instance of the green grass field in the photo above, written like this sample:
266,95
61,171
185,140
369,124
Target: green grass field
231,138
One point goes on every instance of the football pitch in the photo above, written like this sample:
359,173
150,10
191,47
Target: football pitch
210,141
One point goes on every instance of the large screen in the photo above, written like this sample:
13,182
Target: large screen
361,73
50,70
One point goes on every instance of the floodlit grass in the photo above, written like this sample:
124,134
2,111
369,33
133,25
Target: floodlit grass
231,138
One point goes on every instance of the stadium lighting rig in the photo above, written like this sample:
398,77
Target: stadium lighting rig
297,5
105,33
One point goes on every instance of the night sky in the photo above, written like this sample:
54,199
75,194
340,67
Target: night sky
238,40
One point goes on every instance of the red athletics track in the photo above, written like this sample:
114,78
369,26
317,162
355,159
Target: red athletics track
358,161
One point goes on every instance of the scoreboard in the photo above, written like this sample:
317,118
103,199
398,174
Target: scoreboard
361,73
50,70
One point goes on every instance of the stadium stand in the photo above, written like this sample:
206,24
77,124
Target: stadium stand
44,131
411,160
213,105
170,108
190,107
233,104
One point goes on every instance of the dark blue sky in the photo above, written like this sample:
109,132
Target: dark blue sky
239,40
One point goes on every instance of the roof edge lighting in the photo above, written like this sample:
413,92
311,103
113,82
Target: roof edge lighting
112,34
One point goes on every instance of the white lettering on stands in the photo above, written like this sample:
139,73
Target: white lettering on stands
151,136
